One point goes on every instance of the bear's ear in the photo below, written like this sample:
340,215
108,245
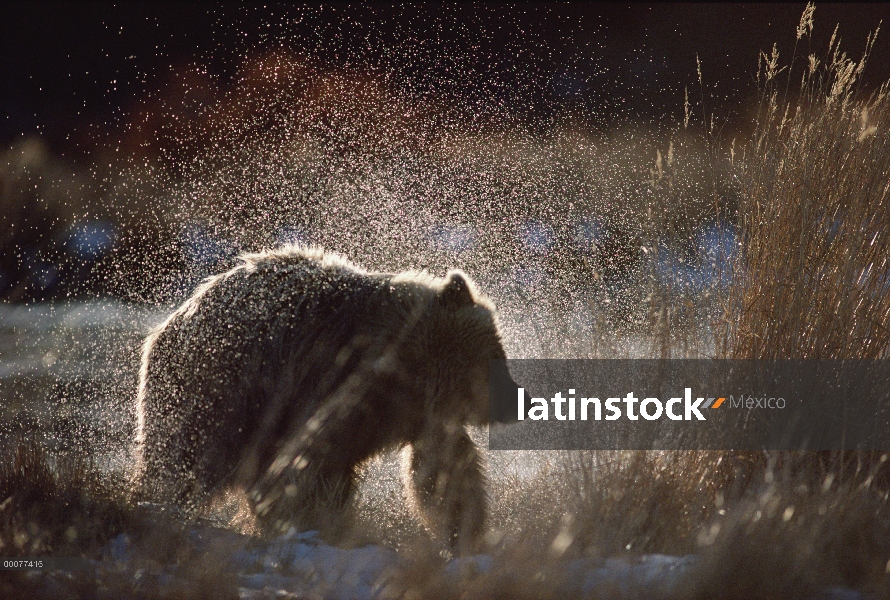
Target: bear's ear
456,291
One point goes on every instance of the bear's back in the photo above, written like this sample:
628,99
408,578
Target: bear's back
285,324
278,285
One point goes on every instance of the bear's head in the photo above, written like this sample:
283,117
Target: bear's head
462,337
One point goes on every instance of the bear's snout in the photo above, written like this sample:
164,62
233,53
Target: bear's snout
502,383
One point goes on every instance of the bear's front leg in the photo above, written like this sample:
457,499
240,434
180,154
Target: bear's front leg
445,484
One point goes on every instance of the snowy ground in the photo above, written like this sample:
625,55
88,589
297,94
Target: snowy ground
300,566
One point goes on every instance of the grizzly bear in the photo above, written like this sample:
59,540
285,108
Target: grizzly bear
285,373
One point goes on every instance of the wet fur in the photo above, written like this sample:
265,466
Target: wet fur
286,372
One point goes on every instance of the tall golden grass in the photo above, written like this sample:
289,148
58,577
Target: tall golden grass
815,216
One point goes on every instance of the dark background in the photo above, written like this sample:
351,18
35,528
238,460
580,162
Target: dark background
69,71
